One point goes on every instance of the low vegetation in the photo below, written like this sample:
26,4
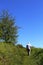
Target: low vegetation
17,55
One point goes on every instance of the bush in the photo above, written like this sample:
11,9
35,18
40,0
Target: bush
20,46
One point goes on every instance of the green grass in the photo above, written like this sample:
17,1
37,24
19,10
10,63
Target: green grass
15,55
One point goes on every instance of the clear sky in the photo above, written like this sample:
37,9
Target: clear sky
29,16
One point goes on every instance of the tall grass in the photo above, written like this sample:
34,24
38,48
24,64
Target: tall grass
17,55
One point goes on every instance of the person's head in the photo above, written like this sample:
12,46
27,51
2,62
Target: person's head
29,44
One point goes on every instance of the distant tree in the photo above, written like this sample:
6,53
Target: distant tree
8,28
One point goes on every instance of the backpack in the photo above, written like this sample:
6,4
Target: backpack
27,46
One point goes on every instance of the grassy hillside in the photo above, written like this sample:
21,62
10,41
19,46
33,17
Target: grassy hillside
15,55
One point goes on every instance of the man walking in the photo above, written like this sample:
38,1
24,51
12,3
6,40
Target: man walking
28,47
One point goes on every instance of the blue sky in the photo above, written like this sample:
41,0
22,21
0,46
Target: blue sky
29,16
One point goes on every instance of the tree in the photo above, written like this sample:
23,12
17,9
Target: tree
8,28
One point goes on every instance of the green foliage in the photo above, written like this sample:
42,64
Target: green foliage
19,45
8,28
13,55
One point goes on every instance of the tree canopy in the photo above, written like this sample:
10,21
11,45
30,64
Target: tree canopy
8,28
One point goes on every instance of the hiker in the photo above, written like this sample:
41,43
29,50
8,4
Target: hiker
28,47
